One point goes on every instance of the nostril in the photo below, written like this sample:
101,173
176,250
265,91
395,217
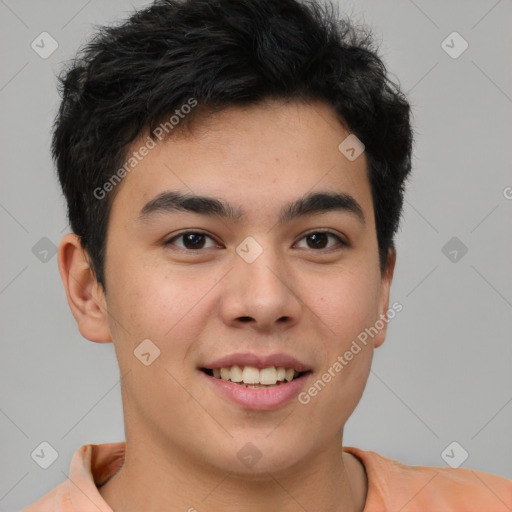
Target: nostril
245,318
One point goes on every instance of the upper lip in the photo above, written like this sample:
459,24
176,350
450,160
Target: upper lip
259,361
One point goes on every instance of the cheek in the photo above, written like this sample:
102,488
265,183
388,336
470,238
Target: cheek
167,310
166,307
345,308
347,303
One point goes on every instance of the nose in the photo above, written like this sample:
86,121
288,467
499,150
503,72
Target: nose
260,295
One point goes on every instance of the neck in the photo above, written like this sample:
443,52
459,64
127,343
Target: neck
155,477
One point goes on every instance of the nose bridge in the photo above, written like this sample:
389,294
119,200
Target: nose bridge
260,289
265,279
261,272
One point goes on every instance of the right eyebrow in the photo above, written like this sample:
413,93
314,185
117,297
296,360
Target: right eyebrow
171,201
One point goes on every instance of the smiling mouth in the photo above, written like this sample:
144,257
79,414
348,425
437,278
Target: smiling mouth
252,377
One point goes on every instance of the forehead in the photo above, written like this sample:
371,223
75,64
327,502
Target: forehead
254,158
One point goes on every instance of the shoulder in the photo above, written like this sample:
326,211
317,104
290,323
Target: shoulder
55,500
91,465
393,485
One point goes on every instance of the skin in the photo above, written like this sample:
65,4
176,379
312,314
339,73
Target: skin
182,437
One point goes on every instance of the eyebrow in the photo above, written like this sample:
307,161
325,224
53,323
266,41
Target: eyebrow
317,202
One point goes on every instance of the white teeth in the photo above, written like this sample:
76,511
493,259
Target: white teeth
289,374
268,376
236,374
281,373
253,377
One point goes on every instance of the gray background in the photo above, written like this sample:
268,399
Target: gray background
444,372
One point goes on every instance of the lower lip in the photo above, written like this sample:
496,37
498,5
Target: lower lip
262,399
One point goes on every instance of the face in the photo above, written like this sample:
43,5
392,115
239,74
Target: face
267,280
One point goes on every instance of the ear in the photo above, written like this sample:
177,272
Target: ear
385,288
85,296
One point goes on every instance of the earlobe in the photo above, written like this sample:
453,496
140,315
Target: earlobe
84,295
385,289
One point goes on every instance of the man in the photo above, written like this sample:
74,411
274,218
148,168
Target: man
234,172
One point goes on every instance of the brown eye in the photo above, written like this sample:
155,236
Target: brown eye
190,240
320,240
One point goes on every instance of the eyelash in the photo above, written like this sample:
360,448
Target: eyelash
341,242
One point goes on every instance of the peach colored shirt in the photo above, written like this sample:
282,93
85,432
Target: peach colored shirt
392,486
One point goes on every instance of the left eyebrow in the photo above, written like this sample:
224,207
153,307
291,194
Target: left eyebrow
321,202
317,202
